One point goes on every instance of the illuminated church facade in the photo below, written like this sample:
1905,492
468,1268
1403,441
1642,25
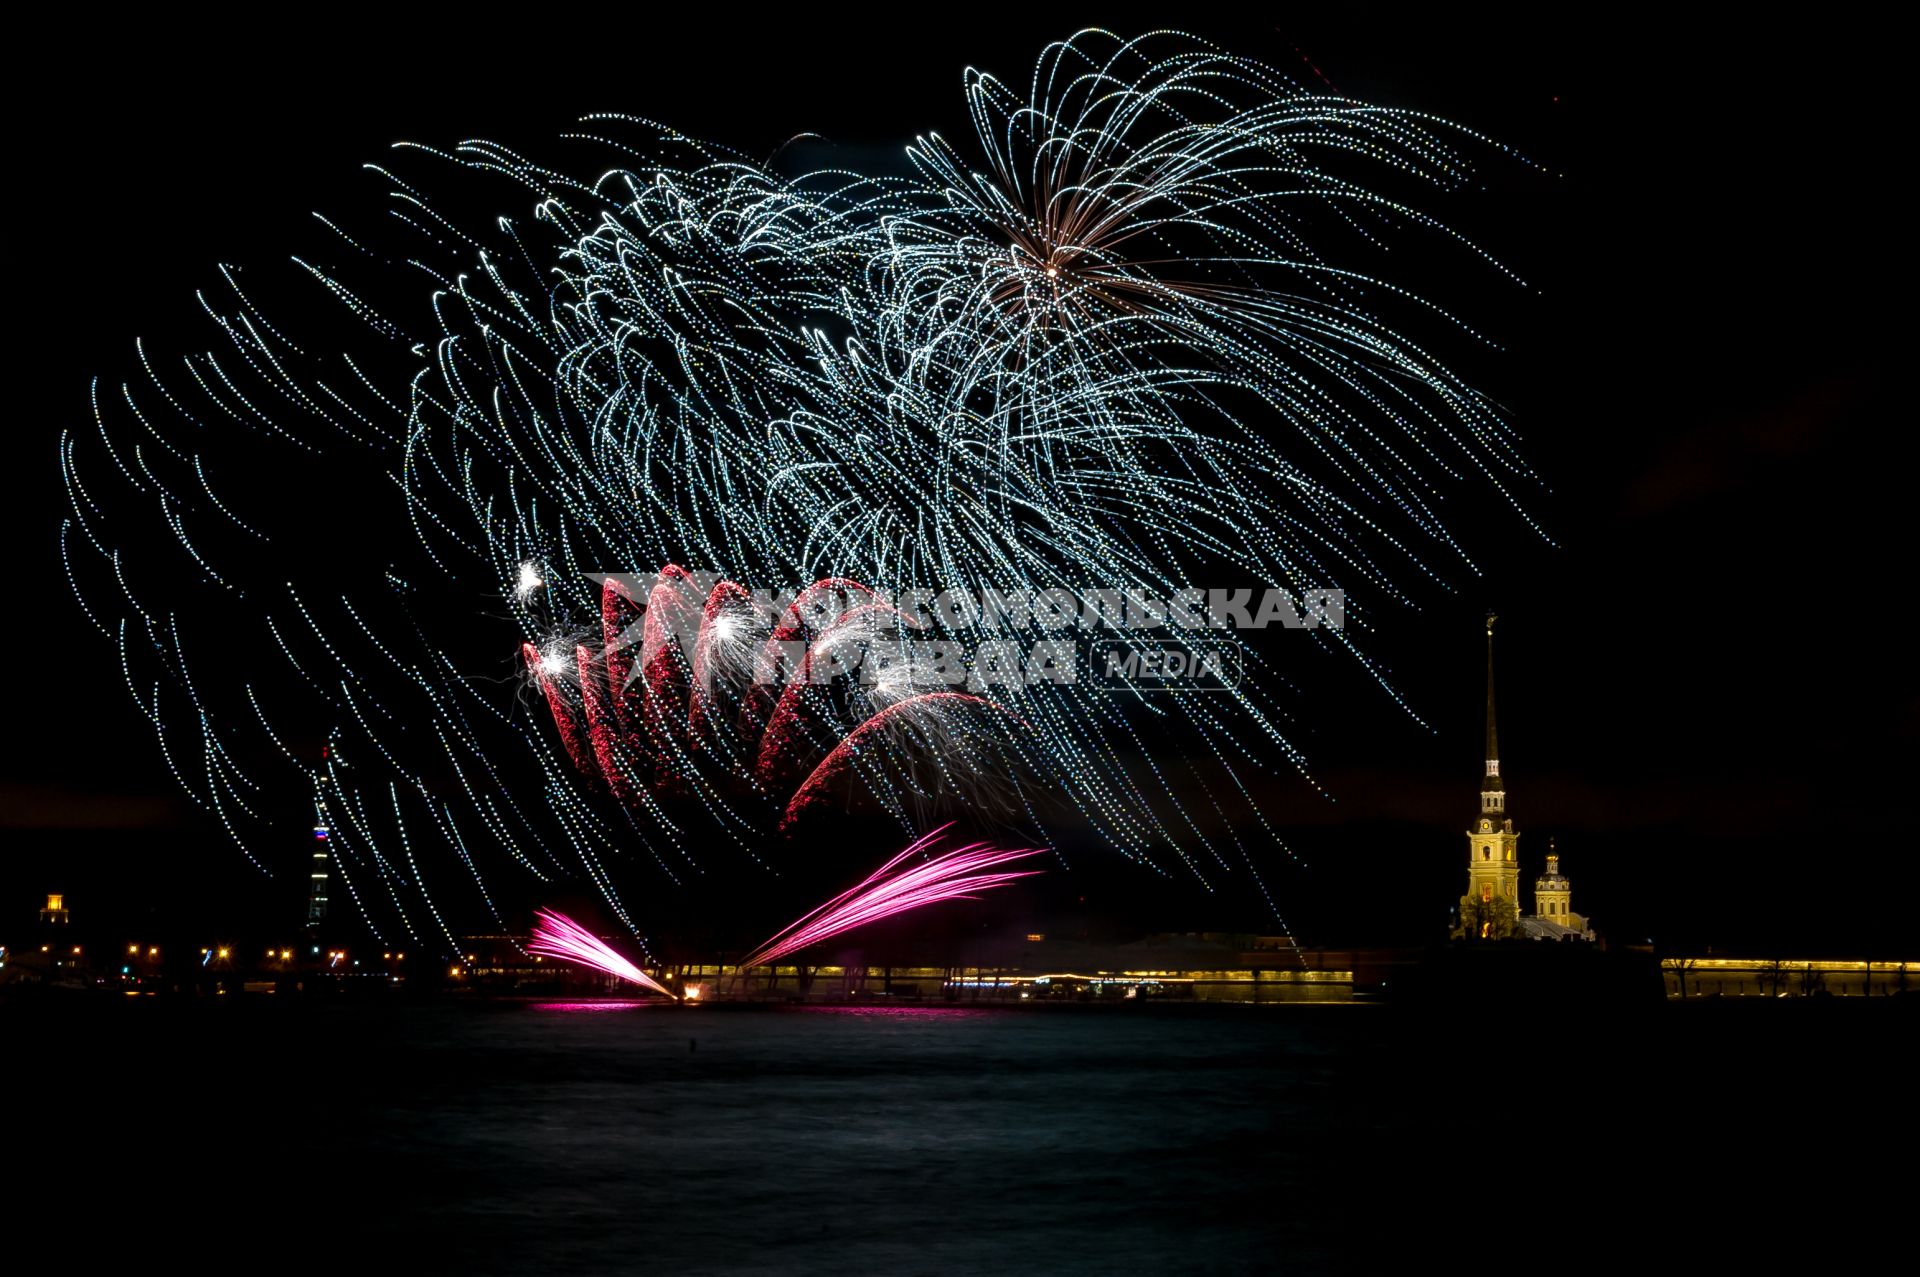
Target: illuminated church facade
1490,910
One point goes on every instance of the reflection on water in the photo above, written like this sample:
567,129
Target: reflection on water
896,1012
587,1007
563,1136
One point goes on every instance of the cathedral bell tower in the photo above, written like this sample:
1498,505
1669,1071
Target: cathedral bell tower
1553,894
1491,908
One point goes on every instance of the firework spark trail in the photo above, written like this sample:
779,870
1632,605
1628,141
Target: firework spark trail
809,746
1135,332
557,936
958,874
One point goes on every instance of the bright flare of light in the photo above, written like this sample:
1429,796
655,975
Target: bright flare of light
889,890
558,936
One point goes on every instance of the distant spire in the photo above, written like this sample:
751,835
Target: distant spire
317,876
1493,790
1493,736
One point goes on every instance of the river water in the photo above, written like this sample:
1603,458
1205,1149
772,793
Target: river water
536,1137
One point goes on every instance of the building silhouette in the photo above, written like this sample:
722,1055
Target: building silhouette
1491,907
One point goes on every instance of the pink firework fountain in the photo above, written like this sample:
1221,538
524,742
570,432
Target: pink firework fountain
557,936
959,874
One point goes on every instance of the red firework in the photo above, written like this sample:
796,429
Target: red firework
768,710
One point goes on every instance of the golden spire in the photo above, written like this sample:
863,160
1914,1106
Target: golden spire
1493,736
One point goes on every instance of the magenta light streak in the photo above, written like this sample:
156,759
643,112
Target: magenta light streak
557,936
888,890
590,1008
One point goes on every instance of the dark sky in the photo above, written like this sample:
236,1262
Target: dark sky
1704,697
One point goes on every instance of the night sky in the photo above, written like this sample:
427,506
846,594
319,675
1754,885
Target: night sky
1706,695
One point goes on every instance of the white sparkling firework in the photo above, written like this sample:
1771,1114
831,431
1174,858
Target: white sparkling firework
1134,334
528,582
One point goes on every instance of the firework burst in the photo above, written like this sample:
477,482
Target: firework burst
557,936
960,873
1132,333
